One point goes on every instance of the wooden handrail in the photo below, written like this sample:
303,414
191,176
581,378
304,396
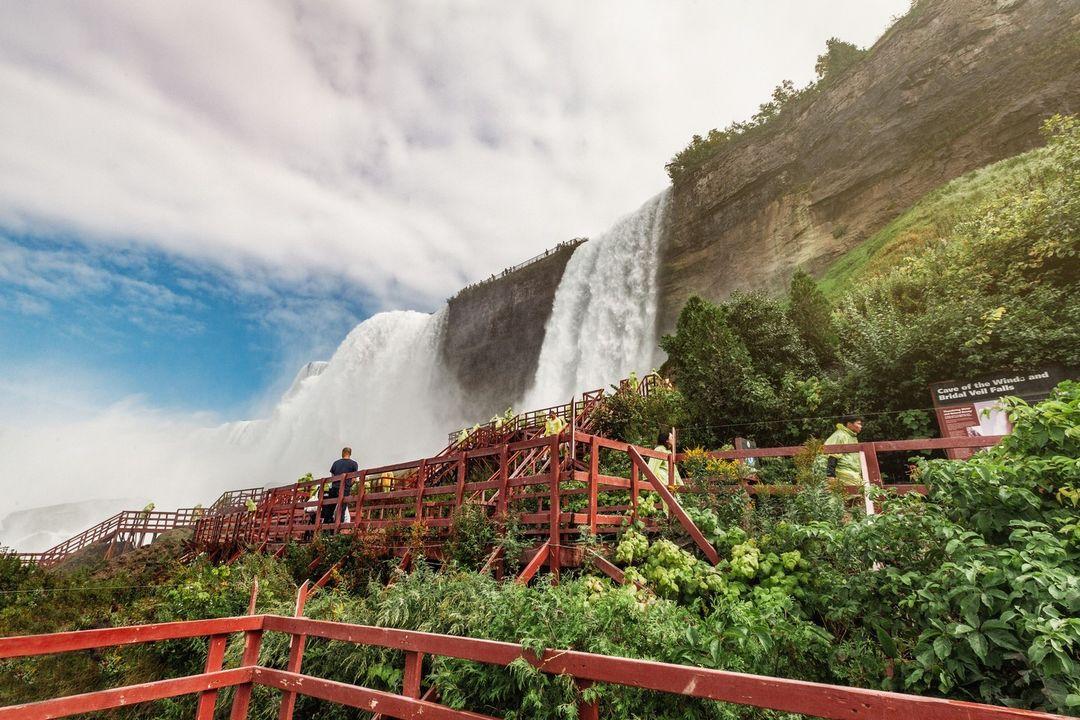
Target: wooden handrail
836,702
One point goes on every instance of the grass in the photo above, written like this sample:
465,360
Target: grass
931,219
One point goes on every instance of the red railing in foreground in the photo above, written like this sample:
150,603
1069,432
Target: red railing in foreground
795,696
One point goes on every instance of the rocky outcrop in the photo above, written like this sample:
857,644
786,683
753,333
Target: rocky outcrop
494,331
953,86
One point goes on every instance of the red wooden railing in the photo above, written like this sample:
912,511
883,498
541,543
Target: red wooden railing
576,413
129,528
785,695
545,482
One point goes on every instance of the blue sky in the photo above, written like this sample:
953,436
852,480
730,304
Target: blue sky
184,336
198,197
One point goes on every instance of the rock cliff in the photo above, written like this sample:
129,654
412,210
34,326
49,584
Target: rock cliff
494,331
953,86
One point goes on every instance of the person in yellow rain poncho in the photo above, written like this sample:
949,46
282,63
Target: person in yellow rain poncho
554,425
845,467
664,442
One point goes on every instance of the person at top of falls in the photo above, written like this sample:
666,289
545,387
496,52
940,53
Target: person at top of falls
845,467
554,425
341,466
665,441
462,436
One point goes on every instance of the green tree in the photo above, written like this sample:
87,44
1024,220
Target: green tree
772,340
811,314
838,57
709,363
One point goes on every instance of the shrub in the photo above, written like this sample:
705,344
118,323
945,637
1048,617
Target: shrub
472,533
626,415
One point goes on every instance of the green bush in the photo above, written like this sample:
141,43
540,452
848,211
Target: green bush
627,415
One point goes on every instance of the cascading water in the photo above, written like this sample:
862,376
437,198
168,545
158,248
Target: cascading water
603,320
384,392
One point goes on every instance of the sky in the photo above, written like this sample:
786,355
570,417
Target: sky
196,198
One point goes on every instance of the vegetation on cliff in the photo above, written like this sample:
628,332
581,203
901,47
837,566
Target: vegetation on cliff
998,291
838,57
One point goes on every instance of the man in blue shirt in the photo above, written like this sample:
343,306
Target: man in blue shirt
345,465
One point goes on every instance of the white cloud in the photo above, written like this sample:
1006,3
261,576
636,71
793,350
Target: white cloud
409,146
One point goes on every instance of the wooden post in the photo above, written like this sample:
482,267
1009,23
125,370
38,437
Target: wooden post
215,654
586,710
504,482
421,478
671,462
414,664
342,491
873,469
867,502
254,596
459,497
359,506
573,432
318,510
594,472
634,481
554,534
242,698
296,656
292,516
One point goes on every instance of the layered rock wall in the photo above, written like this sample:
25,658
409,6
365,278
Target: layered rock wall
494,331
955,85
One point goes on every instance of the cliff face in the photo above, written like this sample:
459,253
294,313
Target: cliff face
494,331
955,85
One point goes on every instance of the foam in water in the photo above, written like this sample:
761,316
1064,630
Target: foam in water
603,320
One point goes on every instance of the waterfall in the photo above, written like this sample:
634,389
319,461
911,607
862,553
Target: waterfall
384,393
603,320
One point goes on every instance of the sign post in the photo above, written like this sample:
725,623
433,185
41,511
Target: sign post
972,407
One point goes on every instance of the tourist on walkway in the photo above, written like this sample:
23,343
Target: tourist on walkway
665,441
344,465
845,467
554,424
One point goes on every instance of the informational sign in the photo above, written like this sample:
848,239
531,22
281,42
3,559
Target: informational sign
972,408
